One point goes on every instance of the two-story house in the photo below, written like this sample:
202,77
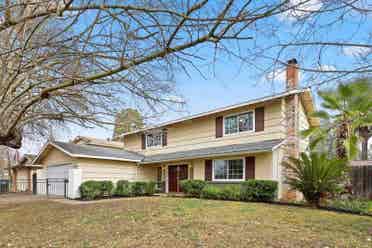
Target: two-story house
225,145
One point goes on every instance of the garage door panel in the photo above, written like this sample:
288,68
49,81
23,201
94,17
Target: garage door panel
56,176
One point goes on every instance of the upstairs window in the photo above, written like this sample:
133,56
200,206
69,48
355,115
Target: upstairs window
154,139
238,123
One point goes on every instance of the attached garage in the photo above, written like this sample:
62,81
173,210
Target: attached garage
58,171
78,163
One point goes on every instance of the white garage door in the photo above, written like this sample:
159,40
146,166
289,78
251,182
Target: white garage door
56,179
58,171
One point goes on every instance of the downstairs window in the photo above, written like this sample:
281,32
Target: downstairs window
228,170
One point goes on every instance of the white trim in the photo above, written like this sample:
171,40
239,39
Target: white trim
228,180
251,102
237,115
278,145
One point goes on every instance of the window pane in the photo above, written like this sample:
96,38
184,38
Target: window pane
220,169
235,169
246,122
153,139
231,124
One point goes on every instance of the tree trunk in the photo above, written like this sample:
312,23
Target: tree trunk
341,135
364,134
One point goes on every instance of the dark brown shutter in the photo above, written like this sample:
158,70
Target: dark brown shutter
208,170
165,137
143,138
250,168
219,126
259,119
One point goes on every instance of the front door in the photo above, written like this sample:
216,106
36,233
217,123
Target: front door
176,173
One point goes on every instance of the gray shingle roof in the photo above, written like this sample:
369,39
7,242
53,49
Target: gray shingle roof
261,146
121,154
97,151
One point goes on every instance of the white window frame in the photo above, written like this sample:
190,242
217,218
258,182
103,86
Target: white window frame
228,180
237,114
161,140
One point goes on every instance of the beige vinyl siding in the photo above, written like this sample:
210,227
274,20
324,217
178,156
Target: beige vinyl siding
22,174
264,169
198,169
303,125
263,165
94,169
54,157
200,133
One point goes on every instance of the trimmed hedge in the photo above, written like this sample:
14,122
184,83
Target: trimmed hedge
150,188
259,190
91,190
251,190
107,188
211,192
193,188
123,188
230,192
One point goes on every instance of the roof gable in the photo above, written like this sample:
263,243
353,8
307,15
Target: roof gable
89,151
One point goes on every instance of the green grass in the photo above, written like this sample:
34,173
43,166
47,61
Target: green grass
177,222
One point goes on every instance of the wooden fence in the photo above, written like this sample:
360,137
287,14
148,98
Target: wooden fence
361,179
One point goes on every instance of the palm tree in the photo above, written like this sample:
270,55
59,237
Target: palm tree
346,110
315,175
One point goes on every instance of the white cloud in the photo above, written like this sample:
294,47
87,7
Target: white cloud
327,68
174,99
300,9
355,51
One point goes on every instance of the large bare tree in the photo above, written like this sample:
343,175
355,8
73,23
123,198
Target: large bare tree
79,60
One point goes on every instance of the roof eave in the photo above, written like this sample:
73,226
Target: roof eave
208,156
75,155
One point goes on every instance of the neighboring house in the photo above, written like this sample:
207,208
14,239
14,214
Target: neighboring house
8,158
225,145
22,174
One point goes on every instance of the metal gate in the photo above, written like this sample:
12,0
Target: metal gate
51,187
4,186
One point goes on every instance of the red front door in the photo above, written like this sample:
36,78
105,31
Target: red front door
176,173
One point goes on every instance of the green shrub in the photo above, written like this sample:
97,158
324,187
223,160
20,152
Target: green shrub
357,206
259,190
193,187
106,188
315,175
122,188
230,192
138,188
211,192
90,190
150,188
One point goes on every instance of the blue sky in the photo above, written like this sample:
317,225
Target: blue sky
230,81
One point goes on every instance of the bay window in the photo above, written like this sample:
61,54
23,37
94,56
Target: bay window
228,170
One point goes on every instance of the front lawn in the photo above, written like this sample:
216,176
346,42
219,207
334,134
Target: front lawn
178,222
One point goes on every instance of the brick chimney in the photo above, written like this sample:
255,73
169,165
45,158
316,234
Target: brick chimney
291,147
292,75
